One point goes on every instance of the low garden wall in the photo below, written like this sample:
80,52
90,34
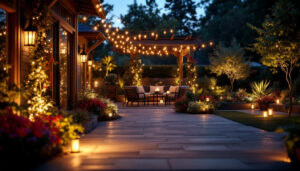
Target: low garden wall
236,106
281,108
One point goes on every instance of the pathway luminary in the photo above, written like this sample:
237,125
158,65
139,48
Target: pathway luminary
75,146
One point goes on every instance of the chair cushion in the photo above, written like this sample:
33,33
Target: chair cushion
140,89
152,89
174,89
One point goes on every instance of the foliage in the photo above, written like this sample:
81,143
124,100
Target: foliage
111,79
260,89
159,71
133,76
277,42
292,140
184,11
109,64
121,81
37,82
192,75
80,116
95,106
111,109
86,93
229,61
181,104
197,107
25,141
242,95
265,100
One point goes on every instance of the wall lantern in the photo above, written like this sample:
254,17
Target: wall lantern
83,55
90,62
75,146
30,35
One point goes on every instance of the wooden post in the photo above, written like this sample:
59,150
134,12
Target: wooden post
90,76
13,47
180,64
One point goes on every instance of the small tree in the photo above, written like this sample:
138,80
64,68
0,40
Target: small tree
277,42
229,61
108,61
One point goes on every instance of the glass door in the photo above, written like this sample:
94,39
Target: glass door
64,56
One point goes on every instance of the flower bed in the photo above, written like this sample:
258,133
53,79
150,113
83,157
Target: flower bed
104,108
28,142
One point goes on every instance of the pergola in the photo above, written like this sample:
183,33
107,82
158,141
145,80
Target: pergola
178,46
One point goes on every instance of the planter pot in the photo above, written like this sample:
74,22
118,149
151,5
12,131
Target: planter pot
111,92
90,124
298,154
120,98
263,106
180,109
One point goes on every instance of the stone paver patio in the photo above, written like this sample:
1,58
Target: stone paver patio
159,139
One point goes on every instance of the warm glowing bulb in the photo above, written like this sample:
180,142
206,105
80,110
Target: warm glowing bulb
161,101
110,115
207,99
252,106
277,101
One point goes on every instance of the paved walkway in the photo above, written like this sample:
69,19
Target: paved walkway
159,139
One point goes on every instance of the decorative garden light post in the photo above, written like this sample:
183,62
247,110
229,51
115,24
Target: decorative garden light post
270,112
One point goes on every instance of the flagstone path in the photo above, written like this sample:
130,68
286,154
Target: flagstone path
159,139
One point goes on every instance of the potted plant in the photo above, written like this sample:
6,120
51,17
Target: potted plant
292,142
111,86
264,102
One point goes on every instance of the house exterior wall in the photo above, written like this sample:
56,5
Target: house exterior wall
18,54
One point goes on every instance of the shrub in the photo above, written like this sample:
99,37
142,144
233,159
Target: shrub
86,93
111,108
26,143
266,100
95,106
198,107
111,79
181,104
260,89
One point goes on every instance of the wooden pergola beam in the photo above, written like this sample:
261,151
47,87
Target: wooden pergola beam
8,6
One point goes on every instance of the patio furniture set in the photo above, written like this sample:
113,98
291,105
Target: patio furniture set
155,95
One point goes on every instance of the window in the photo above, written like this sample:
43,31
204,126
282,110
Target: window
64,56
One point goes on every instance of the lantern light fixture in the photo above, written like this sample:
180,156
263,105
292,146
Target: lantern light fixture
75,146
83,55
30,35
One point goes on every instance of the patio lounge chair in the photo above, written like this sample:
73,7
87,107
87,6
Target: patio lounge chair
173,96
132,96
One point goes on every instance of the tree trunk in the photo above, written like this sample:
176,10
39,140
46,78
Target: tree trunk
290,95
231,84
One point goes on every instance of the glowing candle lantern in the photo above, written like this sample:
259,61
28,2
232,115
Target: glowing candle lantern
110,115
161,101
168,92
270,111
277,101
265,114
207,99
252,106
75,146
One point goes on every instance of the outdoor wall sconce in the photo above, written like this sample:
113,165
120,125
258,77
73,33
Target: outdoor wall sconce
90,62
75,146
30,35
83,55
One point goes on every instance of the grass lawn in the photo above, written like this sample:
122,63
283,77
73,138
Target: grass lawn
258,121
